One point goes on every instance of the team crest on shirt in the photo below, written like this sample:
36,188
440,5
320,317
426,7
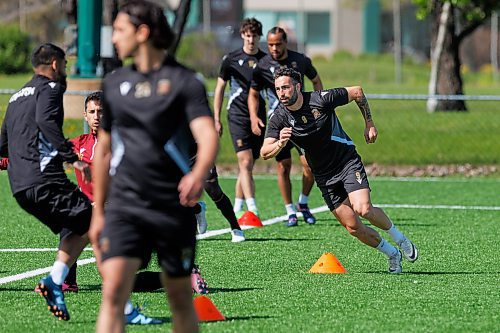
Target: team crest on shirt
294,64
142,90
125,88
304,119
239,142
271,69
163,87
251,63
241,61
358,177
316,113
292,122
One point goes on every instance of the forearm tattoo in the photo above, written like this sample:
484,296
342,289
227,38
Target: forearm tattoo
365,108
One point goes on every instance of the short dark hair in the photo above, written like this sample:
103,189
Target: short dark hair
278,30
95,96
251,24
151,15
290,72
45,54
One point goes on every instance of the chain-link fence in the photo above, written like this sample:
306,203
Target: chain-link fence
409,135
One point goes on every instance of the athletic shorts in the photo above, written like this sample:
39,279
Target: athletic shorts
171,234
58,206
212,175
335,189
286,152
243,137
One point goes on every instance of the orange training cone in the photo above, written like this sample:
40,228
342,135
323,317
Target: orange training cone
206,310
327,263
250,219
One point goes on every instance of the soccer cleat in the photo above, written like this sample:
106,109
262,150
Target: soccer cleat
292,221
54,297
395,263
306,213
409,250
69,287
237,236
239,214
198,284
137,318
201,219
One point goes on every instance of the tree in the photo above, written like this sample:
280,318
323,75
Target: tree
452,21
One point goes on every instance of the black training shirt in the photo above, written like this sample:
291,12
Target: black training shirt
143,111
316,129
32,135
237,68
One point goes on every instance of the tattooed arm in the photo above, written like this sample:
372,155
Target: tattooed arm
356,94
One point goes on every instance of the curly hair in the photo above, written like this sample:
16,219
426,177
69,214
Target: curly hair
290,72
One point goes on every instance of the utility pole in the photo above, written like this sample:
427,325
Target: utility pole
494,45
396,9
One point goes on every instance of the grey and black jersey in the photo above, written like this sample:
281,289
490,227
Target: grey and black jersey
317,131
32,135
263,76
144,111
237,68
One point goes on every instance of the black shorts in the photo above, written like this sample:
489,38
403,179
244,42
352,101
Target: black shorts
212,175
335,189
172,234
243,137
57,206
286,152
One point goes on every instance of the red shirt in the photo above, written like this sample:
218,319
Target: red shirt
84,147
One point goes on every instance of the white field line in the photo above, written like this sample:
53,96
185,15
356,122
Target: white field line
212,233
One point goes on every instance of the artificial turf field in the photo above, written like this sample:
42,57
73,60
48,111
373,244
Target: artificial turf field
263,284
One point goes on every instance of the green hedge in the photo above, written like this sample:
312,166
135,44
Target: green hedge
15,50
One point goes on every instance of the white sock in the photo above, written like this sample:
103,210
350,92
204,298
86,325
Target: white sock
386,248
397,236
303,198
290,209
238,204
251,204
59,272
128,308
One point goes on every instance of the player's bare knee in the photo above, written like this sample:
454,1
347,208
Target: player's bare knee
364,210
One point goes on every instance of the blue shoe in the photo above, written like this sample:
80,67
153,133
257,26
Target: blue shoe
292,221
306,213
54,297
137,318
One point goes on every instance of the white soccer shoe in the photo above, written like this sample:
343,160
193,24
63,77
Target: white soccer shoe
237,236
201,219
409,250
395,263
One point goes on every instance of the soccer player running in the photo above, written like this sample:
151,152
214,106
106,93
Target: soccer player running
309,120
33,140
237,68
146,104
279,56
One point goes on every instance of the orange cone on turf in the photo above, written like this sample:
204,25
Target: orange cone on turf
328,264
250,219
206,310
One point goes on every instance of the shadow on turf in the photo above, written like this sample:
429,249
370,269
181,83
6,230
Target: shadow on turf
247,317
253,239
434,273
229,290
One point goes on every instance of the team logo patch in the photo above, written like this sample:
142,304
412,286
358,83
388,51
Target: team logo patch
125,88
251,63
163,87
294,64
304,119
271,69
52,84
142,90
358,177
316,113
241,61
80,154
239,143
